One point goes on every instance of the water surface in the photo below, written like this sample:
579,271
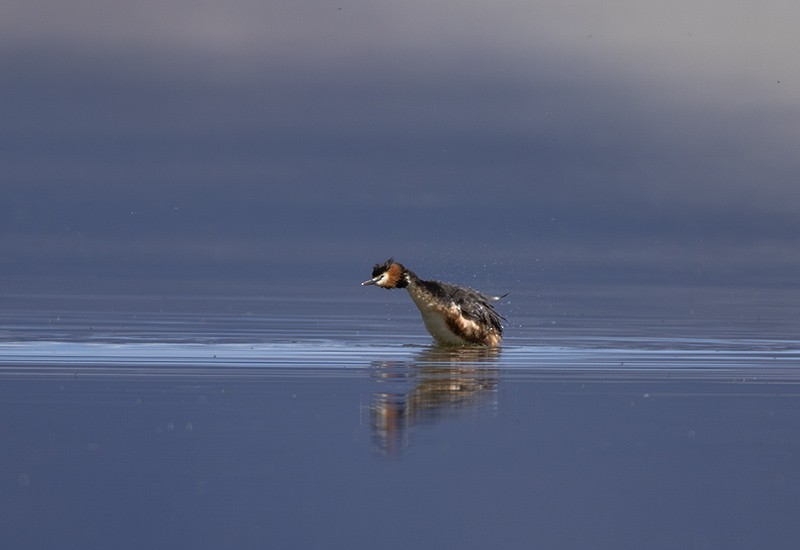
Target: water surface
642,418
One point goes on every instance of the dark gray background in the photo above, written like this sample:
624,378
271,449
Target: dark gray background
241,143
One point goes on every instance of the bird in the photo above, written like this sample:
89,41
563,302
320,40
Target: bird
454,315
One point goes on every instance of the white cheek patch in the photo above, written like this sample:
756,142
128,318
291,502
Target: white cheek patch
382,280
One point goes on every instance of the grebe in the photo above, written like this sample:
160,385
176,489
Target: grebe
454,315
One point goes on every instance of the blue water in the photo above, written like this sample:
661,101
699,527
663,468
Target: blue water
611,418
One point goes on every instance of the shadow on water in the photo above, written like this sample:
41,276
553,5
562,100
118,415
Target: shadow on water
438,380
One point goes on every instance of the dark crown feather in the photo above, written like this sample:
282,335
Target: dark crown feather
382,268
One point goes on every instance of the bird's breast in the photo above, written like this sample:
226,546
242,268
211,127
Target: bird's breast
439,318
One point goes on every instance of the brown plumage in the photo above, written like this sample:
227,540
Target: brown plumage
454,315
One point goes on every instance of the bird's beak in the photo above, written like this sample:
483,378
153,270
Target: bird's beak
370,282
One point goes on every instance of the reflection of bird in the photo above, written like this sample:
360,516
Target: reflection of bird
445,379
454,315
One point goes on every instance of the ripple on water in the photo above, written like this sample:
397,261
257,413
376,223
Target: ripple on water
593,358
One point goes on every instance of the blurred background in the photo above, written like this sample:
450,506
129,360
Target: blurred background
209,146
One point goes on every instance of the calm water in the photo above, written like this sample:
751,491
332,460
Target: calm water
611,418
